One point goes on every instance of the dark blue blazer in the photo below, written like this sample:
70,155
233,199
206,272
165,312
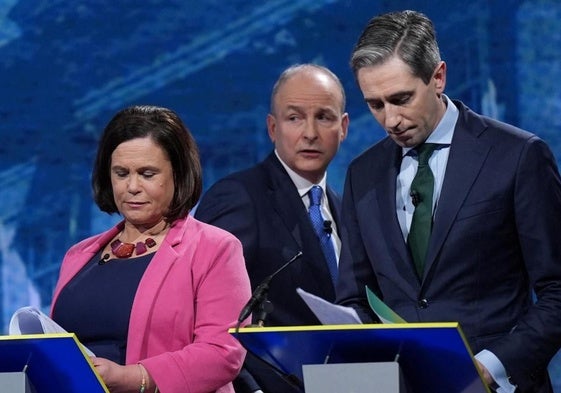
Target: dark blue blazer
496,236
262,208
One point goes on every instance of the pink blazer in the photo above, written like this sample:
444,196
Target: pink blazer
190,294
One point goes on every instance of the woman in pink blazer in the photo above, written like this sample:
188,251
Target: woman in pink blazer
154,296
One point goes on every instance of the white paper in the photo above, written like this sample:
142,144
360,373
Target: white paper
31,320
327,312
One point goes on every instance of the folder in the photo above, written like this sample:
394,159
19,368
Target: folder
433,357
52,363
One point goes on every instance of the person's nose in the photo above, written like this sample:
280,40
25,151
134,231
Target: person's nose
310,130
392,117
133,185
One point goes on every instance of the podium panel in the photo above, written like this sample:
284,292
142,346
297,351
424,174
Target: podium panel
434,357
16,383
53,363
381,377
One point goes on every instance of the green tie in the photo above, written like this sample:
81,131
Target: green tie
422,189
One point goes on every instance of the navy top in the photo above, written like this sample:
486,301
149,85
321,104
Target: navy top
96,304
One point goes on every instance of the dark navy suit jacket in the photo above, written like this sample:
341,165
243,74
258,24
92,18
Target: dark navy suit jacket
262,208
496,236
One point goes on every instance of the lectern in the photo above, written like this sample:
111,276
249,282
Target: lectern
430,357
47,363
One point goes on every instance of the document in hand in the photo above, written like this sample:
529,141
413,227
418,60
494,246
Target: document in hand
327,312
334,314
384,313
31,320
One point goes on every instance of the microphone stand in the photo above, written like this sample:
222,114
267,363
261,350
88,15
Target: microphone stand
262,290
266,307
259,301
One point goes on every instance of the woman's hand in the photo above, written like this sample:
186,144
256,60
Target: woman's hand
121,379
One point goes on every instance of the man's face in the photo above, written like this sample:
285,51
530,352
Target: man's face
308,124
406,107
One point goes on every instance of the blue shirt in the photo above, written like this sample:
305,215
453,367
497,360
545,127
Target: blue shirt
442,135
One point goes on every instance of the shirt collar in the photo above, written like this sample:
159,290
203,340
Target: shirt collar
303,185
444,130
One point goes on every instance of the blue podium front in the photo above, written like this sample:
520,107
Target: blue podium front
53,363
434,357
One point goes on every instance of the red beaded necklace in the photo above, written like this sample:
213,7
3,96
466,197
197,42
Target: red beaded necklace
125,250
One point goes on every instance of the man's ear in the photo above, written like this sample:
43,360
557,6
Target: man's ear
272,127
439,77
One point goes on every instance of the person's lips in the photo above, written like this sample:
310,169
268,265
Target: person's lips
398,132
310,153
134,204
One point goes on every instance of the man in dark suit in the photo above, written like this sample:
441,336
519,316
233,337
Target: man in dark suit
495,201
266,206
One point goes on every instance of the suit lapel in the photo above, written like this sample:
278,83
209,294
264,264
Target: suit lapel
149,285
394,236
378,205
288,205
334,205
285,199
80,257
467,156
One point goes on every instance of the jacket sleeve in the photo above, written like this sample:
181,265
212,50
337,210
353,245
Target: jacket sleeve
535,339
213,357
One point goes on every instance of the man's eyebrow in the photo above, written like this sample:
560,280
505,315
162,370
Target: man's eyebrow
292,108
326,109
397,95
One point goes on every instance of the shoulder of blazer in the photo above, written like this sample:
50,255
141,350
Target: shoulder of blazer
376,159
253,175
267,175
476,124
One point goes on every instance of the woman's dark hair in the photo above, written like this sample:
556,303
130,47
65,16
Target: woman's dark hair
167,130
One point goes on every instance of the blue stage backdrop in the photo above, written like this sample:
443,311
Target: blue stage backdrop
67,66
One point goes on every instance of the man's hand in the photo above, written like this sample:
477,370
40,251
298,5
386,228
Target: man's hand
487,378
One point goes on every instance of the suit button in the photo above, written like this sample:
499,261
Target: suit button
423,303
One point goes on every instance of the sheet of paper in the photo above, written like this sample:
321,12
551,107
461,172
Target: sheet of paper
327,312
386,314
31,320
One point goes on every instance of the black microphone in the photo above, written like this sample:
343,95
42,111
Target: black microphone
415,197
260,293
103,259
266,307
327,227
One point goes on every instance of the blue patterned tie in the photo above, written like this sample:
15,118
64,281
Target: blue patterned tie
323,231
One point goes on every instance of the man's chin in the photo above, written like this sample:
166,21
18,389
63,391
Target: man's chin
311,173
403,140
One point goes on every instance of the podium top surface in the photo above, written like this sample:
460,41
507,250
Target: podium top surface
375,326
52,362
434,357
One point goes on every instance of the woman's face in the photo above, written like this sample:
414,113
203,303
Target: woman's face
142,181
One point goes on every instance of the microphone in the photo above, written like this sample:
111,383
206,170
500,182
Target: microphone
415,197
327,227
260,293
266,307
103,260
